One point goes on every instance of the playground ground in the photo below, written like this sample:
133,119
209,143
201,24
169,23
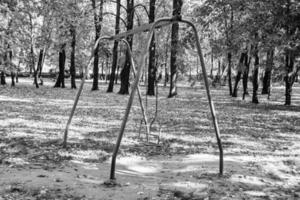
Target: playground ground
261,145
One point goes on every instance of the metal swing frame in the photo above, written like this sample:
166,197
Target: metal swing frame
135,86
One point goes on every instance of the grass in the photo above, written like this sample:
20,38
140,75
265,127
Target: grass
261,142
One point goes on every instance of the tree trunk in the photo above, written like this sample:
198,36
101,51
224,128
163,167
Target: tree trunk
30,70
177,4
290,75
246,75
3,81
9,64
115,50
60,82
106,70
152,68
255,76
124,89
239,74
40,64
98,18
228,32
212,64
166,61
268,72
166,75
229,72
35,81
12,74
102,71
35,76
81,74
17,77
219,72
73,50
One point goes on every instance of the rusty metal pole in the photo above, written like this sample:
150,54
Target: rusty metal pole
211,104
79,91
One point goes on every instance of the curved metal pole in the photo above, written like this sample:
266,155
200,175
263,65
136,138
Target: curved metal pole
130,101
138,88
80,90
211,104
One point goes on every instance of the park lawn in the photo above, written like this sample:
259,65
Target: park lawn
261,145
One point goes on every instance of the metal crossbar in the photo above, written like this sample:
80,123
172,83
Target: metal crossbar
140,29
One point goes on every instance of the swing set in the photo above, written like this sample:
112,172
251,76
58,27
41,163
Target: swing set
135,86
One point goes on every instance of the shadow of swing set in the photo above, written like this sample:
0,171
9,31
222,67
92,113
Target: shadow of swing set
135,86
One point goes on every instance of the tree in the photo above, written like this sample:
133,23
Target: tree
6,33
219,16
115,48
68,22
98,18
177,5
229,38
241,68
152,65
73,51
268,71
255,75
292,20
60,81
125,72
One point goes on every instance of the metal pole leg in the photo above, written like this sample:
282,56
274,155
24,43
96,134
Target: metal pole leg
74,107
79,92
211,105
134,87
130,101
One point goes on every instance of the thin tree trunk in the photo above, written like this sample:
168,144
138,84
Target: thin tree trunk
17,73
8,63
246,75
102,71
40,63
290,76
219,72
229,73
268,72
12,74
255,76
166,75
98,18
177,5
73,50
106,70
2,76
3,81
124,89
212,64
165,63
60,82
115,49
228,32
33,67
152,68
239,74
41,66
